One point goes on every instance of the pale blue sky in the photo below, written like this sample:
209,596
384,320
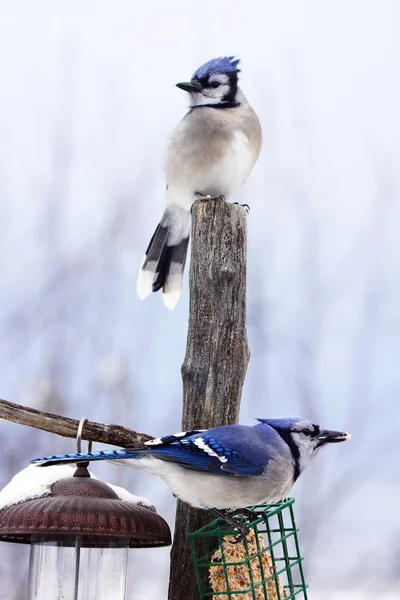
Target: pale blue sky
87,101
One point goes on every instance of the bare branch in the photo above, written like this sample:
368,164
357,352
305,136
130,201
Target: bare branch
96,432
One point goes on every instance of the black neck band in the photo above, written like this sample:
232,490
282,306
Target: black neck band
287,438
219,106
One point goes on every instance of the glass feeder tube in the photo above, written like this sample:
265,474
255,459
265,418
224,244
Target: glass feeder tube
79,538
65,570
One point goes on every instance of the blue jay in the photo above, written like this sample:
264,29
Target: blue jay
210,154
234,466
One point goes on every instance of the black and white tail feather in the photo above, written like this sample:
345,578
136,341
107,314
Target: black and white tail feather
165,258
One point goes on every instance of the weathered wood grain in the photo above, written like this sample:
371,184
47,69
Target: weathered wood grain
217,352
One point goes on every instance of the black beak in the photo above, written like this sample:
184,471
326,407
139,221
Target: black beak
189,86
328,437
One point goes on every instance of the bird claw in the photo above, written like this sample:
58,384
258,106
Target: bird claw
206,197
202,197
245,206
228,518
243,529
247,512
244,532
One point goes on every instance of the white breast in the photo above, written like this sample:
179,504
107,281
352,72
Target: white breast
212,169
236,164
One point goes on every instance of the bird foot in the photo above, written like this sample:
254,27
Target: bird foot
247,512
243,533
241,527
245,206
202,197
206,197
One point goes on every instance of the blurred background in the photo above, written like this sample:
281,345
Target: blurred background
87,101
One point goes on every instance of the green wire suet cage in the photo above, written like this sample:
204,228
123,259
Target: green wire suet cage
266,565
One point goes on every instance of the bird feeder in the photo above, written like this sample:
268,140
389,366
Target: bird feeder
265,565
79,537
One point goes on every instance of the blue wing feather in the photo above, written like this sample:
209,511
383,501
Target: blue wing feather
239,451
229,450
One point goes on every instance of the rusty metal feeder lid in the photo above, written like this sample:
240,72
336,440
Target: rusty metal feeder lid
87,507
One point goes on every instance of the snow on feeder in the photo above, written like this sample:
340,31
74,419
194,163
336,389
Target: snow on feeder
79,529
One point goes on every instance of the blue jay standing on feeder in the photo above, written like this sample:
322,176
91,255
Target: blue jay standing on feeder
229,467
210,154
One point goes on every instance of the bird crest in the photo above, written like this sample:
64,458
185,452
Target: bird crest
224,64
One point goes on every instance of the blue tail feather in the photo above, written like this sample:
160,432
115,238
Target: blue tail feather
58,459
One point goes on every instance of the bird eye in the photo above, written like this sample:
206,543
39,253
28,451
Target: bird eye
307,432
215,84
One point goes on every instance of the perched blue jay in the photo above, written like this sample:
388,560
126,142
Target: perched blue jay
210,154
234,466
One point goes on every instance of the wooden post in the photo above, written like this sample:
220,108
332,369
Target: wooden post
217,353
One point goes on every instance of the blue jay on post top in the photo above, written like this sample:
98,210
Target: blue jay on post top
210,154
228,467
